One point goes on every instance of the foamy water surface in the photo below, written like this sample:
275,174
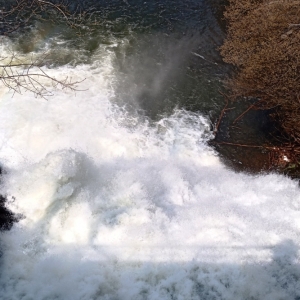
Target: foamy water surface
115,206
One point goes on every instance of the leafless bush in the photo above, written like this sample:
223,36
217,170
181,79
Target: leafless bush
19,77
16,15
264,44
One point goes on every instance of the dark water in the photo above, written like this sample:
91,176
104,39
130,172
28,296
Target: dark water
168,56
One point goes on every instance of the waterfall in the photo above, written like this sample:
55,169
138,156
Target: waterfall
114,203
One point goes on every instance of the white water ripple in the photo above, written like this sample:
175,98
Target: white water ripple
117,208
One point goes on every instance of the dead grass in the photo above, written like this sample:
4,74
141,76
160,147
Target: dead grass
263,43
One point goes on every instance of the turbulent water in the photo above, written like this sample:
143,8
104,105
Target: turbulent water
119,195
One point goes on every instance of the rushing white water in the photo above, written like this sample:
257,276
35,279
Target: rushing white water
115,207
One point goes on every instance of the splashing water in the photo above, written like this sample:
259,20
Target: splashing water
116,206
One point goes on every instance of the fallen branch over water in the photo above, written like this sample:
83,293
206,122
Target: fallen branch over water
221,114
16,15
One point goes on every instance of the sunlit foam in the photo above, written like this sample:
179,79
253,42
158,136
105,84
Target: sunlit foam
120,208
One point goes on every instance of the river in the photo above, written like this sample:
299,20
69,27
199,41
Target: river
118,193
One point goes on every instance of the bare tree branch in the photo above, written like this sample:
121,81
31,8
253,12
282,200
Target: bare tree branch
20,76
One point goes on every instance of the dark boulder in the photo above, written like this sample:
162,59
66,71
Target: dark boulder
6,216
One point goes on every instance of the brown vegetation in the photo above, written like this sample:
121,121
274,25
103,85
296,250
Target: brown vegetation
263,43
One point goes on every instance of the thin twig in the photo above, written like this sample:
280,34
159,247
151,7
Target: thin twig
242,114
221,114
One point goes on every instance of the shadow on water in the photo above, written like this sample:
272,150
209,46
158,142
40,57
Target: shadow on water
254,272
110,278
241,141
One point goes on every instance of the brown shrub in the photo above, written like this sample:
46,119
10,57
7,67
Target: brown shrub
263,42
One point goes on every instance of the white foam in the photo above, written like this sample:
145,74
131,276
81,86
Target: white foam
117,208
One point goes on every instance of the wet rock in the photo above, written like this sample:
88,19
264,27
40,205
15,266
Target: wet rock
7,218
